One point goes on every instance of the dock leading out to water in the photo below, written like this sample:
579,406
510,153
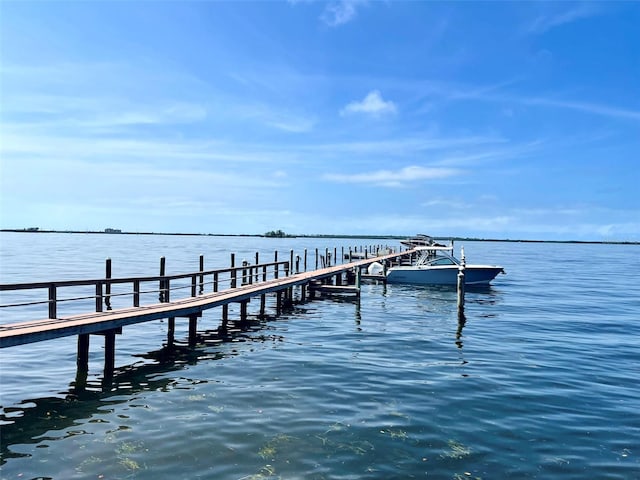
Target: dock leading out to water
236,284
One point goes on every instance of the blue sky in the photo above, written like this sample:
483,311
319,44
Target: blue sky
489,119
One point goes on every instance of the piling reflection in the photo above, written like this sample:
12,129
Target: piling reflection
462,320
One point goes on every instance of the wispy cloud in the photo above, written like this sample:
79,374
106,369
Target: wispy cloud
586,107
277,118
373,104
456,204
395,178
340,12
490,95
546,22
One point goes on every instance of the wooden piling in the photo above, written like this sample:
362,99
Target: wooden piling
201,274
52,301
275,266
98,296
461,285
107,287
136,293
263,297
109,353
193,330
82,360
243,310
194,285
171,330
161,285
257,263
234,273
244,272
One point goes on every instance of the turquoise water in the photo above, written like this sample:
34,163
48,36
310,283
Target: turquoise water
541,381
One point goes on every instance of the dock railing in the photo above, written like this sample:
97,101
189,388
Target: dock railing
100,290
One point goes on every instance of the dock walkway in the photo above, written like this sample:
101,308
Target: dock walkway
110,322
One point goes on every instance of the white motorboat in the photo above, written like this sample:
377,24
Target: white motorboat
436,265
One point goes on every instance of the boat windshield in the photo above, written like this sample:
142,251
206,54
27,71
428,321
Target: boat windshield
436,257
442,261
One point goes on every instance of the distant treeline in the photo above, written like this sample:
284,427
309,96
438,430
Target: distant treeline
281,234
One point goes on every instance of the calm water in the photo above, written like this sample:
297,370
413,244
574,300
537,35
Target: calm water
542,381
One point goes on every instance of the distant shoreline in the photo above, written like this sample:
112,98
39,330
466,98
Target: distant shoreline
386,237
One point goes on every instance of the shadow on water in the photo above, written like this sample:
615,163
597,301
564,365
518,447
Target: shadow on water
35,420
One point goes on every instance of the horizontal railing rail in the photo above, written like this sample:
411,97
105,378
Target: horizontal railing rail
228,277
77,283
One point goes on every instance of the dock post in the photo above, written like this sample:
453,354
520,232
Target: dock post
52,301
82,361
316,259
225,319
257,263
305,259
289,271
243,310
107,286
193,330
275,266
263,297
461,274
194,285
161,286
136,293
109,353
201,274
98,297
234,273
171,330
263,302
245,264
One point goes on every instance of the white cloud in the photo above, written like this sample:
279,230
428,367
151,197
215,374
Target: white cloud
447,204
586,107
397,178
341,12
373,104
546,22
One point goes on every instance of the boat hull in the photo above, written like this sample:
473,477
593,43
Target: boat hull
473,275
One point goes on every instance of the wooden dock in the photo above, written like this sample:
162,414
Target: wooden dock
243,283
